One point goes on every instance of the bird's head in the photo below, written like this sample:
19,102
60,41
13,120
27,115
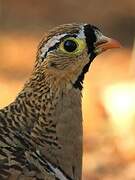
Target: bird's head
67,51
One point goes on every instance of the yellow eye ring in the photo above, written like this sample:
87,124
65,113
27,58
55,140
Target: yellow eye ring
72,46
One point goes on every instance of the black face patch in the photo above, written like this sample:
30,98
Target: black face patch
89,32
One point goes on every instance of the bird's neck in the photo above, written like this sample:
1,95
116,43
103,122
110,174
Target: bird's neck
53,115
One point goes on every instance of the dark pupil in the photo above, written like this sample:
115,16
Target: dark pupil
70,45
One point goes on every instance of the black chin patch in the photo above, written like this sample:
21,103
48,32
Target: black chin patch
90,39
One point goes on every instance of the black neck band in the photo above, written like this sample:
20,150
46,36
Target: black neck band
90,39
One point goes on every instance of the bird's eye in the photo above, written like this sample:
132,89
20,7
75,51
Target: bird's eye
72,46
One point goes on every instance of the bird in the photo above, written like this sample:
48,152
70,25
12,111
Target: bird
41,132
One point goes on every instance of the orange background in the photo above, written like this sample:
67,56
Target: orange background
22,24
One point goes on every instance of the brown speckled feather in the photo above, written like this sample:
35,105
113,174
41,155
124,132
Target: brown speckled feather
41,131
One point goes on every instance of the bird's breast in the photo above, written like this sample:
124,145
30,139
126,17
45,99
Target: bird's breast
68,116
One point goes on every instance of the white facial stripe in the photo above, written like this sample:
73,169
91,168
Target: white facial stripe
51,42
99,35
81,34
56,39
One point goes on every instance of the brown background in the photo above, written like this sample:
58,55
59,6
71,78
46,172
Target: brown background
115,17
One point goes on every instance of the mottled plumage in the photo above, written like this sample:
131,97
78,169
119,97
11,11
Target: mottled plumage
41,131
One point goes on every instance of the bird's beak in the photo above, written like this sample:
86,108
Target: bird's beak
104,43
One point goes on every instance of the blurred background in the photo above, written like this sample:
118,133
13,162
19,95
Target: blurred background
109,87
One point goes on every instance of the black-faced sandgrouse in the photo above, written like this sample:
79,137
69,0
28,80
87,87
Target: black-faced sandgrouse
41,131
